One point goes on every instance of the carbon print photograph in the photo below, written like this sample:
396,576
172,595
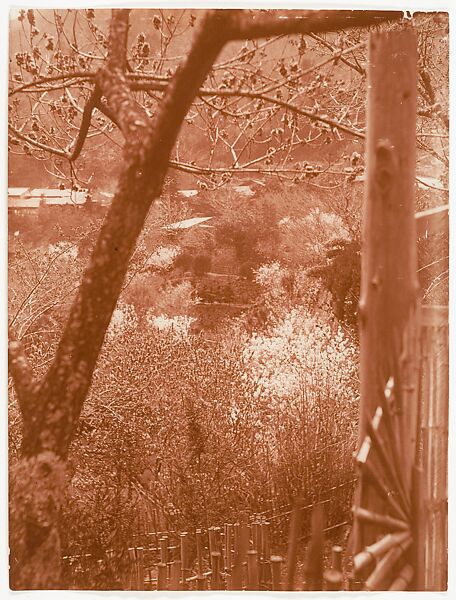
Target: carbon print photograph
228,283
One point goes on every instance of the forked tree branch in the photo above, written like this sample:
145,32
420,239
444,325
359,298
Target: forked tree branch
65,386
259,25
146,158
130,116
78,143
23,377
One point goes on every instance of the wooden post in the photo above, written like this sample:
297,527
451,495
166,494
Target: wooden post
336,557
199,550
162,576
253,582
236,579
389,287
211,540
244,544
201,583
228,544
315,550
140,563
276,568
266,554
216,582
132,583
256,535
175,576
184,559
333,580
293,539
164,550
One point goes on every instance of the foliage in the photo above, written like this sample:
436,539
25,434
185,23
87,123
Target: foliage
189,410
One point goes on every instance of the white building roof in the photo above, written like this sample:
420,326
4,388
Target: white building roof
17,191
187,223
17,202
188,193
71,198
31,197
244,190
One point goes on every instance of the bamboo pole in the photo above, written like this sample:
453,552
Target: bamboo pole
276,568
199,550
354,583
162,576
164,555
236,578
382,575
333,580
201,583
419,528
388,303
211,538
175,576
314,554
216,581
265,566
333,577
133,579
293,539
403,580
256,536
140,563
336,557
228,546
372,553
384,522
434,444
185,559
386,458
253,582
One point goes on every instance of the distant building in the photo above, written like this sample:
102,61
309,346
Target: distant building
28,200
187,193
187,223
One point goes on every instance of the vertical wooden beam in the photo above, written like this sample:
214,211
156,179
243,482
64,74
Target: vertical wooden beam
389,286
140,562
293,541
199,551
276,568
185,556
434,444
216,583
313,567
253,582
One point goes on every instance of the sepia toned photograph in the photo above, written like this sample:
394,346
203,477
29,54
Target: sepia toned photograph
228,284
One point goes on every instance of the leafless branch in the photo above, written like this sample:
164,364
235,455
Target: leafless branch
259,25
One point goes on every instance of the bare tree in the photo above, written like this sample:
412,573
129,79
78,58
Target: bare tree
51,406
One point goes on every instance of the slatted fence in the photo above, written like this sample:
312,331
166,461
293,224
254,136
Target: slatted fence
249,554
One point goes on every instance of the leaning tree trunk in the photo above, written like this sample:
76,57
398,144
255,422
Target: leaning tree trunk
50,408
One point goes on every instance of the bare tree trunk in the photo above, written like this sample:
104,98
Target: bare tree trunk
36,490
51,408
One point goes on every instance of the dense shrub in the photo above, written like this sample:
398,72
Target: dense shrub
184,429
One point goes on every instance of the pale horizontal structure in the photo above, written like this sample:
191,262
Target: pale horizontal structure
187,223
35,197
432,220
